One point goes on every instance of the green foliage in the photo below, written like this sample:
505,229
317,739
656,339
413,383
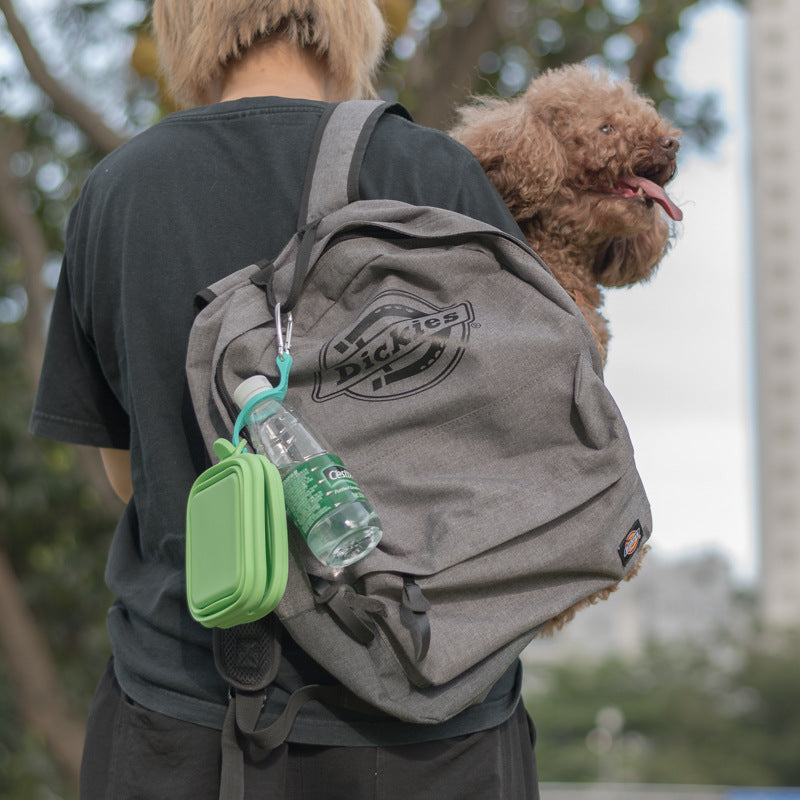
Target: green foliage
26,769
56,531
638,38
55,527
771,719
725,717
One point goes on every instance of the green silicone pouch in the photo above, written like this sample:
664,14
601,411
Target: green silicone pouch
236,539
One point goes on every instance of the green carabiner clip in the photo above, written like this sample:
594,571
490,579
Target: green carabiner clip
278,393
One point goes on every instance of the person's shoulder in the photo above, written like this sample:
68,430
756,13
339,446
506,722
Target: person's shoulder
182,138
398,133
424,166
425,157
131,158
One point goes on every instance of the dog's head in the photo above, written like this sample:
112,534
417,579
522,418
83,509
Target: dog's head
583,155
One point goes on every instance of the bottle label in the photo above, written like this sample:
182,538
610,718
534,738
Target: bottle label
315,488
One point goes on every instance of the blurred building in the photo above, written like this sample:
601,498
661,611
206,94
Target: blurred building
775,117
692,601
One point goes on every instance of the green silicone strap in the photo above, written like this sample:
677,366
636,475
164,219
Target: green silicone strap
278,393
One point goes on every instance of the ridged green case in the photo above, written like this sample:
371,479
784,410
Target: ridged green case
236,540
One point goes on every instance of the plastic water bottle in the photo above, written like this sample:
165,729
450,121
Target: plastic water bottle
326,505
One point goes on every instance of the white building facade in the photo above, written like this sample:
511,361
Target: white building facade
775,203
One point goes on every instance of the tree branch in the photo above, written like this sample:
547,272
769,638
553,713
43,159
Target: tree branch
445,72
23,228
40,700
66,103
31,666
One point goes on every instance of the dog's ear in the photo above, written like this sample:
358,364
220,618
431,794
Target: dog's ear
516,148
629,260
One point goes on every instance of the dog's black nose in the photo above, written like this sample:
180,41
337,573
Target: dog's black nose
669,144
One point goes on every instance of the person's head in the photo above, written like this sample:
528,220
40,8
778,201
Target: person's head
198,38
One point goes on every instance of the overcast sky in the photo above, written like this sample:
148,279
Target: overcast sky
679,359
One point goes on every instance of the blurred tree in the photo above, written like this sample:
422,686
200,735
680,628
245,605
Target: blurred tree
78,77
57,510
726,716
451,49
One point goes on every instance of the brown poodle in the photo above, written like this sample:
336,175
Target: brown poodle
581,159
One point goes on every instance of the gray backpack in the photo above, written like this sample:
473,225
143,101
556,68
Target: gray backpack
460,385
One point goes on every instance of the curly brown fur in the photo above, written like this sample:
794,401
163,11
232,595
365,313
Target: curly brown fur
560,620
579,158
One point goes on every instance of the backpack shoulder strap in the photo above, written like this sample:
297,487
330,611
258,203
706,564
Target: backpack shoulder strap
337,153
331,182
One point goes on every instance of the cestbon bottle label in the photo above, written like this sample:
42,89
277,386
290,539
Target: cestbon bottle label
315,488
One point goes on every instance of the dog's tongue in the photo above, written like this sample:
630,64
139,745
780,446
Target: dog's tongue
657,193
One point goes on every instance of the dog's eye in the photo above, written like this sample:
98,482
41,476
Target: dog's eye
607,128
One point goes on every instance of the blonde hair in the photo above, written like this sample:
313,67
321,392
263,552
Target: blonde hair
197,38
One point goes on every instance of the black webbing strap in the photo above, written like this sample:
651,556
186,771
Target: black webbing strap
239,734
350,609
263,279
301,265
332,176
247,657
203,298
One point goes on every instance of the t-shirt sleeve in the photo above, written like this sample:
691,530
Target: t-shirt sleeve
74,402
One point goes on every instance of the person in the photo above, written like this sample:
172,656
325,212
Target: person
203,192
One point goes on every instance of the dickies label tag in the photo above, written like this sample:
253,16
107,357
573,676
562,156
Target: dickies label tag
630,544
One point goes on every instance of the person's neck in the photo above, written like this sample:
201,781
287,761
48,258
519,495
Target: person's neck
276,68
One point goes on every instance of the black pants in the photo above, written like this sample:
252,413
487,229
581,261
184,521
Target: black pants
135,754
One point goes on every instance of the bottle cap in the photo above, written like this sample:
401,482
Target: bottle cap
249,388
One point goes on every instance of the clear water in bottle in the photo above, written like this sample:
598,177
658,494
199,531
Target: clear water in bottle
323,500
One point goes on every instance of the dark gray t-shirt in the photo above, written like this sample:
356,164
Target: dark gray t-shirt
201,194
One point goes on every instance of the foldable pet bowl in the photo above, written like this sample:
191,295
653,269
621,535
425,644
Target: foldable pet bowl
236,541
